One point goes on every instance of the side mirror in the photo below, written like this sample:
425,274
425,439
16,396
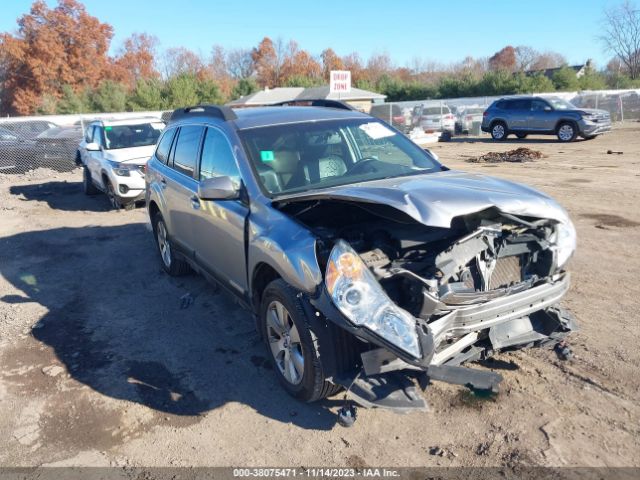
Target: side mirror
92,147
218,188
548,108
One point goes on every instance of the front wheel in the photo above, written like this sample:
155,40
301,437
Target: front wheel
87,183
292,345
566,132
499,131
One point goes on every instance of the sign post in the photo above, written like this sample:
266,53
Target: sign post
340,82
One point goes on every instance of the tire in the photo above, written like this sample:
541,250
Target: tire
566,132
111,195
589,137
499,131
171,264
288,336
521,135
88,186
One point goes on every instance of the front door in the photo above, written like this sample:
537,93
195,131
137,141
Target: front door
541,116
218,225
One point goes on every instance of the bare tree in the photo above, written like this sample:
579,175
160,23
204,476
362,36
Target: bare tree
239,63
622,35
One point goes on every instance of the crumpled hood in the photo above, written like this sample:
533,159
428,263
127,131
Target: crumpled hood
135,155
435,199
593,111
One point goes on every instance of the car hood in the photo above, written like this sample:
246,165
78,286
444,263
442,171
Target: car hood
436,199
593,111
135,155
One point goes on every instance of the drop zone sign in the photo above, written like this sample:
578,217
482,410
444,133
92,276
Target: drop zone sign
340,81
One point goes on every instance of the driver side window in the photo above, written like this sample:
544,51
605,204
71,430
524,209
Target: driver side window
539,105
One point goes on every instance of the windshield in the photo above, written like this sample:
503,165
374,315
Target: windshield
128,136
308,156
435,110
560,104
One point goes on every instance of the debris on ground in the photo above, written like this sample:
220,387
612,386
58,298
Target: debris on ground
563,351
611,152
186,301
53,370
519,155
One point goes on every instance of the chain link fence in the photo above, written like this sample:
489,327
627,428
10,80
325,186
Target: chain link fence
28,143
457,116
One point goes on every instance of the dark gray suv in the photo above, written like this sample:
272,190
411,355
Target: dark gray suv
365,261
547,116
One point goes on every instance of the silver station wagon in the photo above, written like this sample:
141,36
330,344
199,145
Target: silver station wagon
369,266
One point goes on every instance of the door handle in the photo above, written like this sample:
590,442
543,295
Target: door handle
195,202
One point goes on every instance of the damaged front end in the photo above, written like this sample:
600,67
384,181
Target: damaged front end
425,300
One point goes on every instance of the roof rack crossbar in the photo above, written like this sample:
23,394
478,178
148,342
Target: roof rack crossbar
218,111
318,102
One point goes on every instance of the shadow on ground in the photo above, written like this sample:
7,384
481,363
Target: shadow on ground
67,196
116,324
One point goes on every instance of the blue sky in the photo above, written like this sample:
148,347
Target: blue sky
441,31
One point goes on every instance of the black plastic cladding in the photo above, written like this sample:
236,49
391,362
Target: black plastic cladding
221,112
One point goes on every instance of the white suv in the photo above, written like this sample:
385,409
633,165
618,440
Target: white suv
114,154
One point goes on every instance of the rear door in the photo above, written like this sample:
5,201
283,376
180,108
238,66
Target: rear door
218,225
181,188
518,113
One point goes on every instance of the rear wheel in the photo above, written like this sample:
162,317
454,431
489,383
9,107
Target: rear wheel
294,347
566,132
499,131
87,183
171,264
521,135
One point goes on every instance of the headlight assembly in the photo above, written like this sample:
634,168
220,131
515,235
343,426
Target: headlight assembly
565,240
358,295
120,169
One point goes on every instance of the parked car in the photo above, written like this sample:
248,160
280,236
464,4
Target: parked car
547,116
392,114
114,154
17,154
434,119
27,129
58,148
365,261
466,117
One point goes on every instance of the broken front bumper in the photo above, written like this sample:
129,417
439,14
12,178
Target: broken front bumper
466,333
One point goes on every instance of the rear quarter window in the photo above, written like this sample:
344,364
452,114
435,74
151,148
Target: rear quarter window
164,145
186,150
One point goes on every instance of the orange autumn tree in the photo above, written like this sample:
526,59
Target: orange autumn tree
136,60
53,47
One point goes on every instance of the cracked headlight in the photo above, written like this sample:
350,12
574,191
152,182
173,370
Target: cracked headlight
565,240
358,295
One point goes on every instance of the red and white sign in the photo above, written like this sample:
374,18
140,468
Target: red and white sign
340,81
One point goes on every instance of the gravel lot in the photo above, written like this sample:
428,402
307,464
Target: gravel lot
100,365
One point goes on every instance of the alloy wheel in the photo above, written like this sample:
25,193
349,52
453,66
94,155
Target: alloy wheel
566,132
498,131
163,243
284,341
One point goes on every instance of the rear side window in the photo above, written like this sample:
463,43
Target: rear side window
162,152
523,104
217,157
186,150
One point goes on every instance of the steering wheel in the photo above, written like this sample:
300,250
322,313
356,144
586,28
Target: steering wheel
360,165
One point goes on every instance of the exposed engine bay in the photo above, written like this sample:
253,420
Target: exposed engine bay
488,283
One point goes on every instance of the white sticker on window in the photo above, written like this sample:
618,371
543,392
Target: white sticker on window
376,130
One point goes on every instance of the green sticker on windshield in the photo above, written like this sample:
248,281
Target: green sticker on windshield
108,128
267,155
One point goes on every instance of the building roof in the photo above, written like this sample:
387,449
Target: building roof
550,72
277,95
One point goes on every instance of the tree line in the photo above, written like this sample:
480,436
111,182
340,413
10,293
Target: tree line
58,61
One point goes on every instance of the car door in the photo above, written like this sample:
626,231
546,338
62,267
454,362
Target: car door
218,225
93,159
180,186
540,116
518,114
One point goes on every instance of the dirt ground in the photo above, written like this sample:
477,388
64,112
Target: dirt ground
100,365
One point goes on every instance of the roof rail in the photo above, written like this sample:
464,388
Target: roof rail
319,102
221,112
